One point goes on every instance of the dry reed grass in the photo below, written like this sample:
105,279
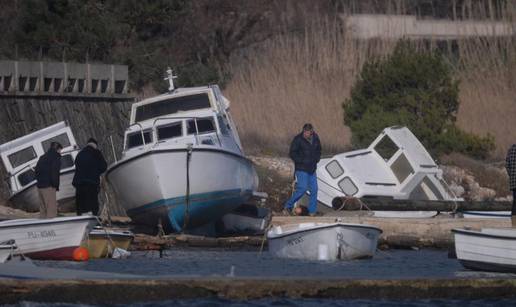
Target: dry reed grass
305,77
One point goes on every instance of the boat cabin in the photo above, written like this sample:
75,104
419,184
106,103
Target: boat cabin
198,116
20,156
395,165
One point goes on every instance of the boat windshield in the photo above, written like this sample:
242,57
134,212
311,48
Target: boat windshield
172,106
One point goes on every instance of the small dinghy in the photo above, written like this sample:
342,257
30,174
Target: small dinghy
490,249
323,241
6,250
102,242
47,239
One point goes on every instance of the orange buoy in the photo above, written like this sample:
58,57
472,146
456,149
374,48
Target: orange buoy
81,254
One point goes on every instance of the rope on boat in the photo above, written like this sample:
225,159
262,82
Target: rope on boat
186,217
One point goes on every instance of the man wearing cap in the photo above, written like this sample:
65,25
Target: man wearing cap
89,165
48,171
305,150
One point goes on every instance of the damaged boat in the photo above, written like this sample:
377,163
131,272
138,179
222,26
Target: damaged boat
20,156
183,165
396,165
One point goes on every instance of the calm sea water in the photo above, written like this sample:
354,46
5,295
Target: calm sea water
394,264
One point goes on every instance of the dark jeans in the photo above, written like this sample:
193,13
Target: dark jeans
513,211
86,198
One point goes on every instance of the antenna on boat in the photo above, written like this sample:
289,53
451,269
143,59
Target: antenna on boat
170,77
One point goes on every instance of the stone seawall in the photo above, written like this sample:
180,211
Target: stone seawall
87,118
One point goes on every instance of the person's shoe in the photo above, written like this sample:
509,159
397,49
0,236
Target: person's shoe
287,212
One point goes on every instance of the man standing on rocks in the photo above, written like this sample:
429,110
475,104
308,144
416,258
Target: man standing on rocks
48,171
510,165
305,151
89,165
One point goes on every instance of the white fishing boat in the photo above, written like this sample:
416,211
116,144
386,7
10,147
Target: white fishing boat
48,239
247,219
395,165
182,165
7,249
323,241
486,214
20,156
487,250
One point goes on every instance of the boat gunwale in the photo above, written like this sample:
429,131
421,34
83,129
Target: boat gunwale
319,227
475,233
38,222
166,150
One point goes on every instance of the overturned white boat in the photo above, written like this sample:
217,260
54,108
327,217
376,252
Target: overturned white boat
395,165
323,241
182,164
47,239
7,250
20,156
487,250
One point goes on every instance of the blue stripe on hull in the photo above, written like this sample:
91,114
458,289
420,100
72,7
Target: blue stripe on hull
203,208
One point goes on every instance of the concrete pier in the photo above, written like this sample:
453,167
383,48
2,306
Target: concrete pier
130,291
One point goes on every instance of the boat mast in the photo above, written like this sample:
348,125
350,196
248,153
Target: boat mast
170,77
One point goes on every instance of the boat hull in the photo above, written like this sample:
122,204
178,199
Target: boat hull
152,186
487,250
28,198
47,239
101,243
320,241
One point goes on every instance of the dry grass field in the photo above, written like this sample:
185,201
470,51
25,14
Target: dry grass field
305,76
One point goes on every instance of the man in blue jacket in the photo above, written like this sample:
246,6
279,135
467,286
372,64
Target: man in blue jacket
89,165
305,151
48,171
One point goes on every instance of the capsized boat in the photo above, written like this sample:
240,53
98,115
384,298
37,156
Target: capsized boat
395,165
47,239
490,249
323,241
20,156
247,219
102,241
183,164
7,250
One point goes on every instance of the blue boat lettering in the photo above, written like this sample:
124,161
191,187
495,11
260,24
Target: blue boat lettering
41,234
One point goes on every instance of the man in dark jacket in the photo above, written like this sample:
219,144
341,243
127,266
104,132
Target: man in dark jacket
89,165
510,165
48,171
305,150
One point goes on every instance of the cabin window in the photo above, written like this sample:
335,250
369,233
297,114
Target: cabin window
204,125
386,148
170,131
20,157
401,168
172,106
334,169
348,186
135,139
26,177
61,139
66,161
224,126
426,190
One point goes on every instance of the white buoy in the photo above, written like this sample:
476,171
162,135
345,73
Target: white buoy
322,253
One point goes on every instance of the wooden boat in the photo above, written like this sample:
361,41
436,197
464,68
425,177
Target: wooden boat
101,242
487,250
47,239
323,241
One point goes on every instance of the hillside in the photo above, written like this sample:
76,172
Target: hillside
282,63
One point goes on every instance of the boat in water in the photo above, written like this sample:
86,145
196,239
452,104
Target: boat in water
489,249
20,156
182,165
395,165
47,239
323,241
102,242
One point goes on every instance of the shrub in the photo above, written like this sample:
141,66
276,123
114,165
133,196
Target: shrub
414,89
